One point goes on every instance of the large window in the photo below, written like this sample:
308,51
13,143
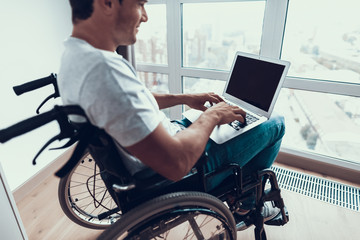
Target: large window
193,43
323,49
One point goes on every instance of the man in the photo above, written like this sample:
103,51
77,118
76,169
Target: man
93,76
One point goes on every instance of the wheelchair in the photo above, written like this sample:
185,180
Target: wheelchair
146,205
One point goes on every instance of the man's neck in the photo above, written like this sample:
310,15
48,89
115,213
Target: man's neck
94,36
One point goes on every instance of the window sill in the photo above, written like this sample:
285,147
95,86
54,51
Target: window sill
323,165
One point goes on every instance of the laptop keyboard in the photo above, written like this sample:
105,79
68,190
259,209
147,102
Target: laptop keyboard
249,119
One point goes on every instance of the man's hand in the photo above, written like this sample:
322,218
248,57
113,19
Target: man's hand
197,101
227,113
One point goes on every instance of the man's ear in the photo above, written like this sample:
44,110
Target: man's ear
106,5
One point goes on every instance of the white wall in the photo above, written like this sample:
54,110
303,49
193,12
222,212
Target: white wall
31,44
11,226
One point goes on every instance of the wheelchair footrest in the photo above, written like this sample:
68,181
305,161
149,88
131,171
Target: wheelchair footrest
279,220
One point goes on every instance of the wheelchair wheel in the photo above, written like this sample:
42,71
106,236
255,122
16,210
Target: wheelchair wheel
83,195
181,215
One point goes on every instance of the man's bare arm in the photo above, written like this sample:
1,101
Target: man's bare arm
196,101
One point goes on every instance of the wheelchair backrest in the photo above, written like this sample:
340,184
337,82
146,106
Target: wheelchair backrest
103,149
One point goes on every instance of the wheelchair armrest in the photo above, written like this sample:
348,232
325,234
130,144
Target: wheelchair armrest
199,166
223,172
202,160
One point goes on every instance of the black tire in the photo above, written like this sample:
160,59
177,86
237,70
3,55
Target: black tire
159,213
83,195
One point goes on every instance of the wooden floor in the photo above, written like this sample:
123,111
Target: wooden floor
309,219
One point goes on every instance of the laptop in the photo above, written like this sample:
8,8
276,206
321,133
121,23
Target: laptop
253,84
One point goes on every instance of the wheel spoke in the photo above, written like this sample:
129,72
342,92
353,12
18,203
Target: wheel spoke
85,195
187,225
196,229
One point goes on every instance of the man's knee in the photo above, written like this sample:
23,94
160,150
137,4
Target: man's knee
278,123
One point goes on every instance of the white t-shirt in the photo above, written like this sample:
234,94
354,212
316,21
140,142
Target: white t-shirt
105,85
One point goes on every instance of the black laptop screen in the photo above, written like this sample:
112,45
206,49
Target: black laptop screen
254,81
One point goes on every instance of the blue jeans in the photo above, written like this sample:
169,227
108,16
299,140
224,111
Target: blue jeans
254,150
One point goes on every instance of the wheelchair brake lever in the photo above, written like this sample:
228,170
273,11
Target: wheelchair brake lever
59,137
43,148
66,145
65,132
54,95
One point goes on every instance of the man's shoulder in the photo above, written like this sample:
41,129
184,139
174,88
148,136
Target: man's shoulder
81,56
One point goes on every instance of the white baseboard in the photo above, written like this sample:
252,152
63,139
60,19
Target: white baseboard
24,189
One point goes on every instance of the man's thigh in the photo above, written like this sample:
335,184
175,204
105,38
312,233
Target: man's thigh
245,147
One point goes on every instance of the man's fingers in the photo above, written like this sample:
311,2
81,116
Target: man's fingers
243,113
215,98
241,119
203,108
240,112
218,98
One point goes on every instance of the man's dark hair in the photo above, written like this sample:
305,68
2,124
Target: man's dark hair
82,9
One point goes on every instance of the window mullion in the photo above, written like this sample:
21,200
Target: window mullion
174,51
332,87
273,28
143,67
205,73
